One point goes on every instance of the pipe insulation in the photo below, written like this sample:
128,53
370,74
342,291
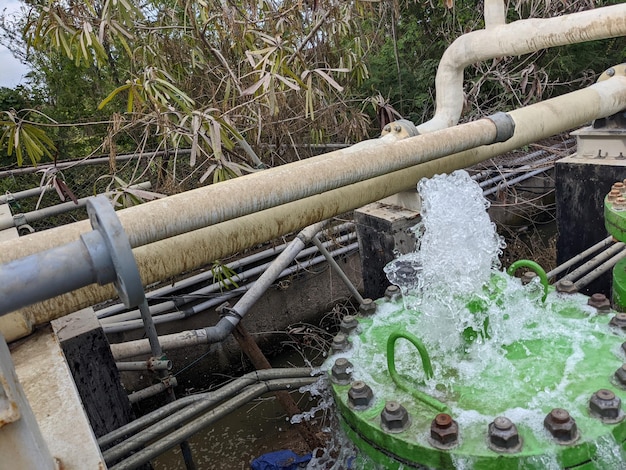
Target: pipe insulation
189,251
513,39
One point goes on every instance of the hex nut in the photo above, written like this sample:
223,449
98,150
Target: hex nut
341,372
618,321
599,302
394,418
349,323
606,406
624,347
566,287
444,431
528,277
392,292
620,374
340,343
360,395
561,425
503,435
368,307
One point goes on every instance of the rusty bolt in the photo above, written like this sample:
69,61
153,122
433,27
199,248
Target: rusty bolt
561,425
392,292
613,195
360,395
619,321
566,287
604,404
619,186
503,435
619,204
444,430
341,372
340,343
348,324
620,374
368,307
394,417
528,277
599,302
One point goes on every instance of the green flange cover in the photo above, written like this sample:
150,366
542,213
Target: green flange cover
543,374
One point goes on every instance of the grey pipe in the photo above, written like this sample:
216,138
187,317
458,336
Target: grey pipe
18,195
150,364
169,410
333,264
513,181
152,390
179,435
212,334
593,262
576,259
597,272
522,169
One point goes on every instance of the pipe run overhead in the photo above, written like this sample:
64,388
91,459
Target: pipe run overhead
189,251
513,39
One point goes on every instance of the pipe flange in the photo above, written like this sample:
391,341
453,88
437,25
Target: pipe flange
104,220
505,126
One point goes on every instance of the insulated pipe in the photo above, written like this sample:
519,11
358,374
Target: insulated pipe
513,39
184,253
179,435
579,257
226,391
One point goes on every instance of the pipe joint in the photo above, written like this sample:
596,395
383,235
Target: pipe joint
505,126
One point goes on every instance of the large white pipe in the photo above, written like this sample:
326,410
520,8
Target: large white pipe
189,251
513,39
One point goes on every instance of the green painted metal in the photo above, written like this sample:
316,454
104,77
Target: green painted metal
615,222
543,277
541,378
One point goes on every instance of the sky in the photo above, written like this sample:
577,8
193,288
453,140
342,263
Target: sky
12,70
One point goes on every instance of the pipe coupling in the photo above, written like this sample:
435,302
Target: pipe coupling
505,126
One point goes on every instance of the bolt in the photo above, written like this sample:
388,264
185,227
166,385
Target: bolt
620,374
599,302
610,72
618,321
341,372
368,307
605,405
503,435
340,343
387,128
348,324
392,292
619,186
561,425
360,395
528,277
566,287
394,417
444,430
619,204
613,195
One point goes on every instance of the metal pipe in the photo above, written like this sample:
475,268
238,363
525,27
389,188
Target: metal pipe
172,439
513,39
211,334
593,262
596,273
200,247
169,411
513,181
522,169
150,364
152,390
333,264
579,257
18,195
